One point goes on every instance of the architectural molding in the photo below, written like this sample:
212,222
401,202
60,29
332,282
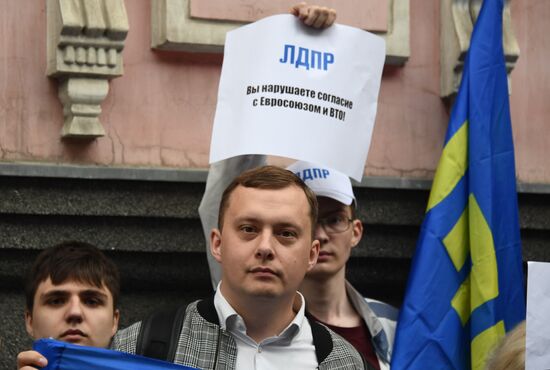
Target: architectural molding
457,22
173,28
81,98
85,39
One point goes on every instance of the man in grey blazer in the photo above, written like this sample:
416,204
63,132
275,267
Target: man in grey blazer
256,319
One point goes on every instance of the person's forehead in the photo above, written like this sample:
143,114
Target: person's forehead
70,287
290,199
282,193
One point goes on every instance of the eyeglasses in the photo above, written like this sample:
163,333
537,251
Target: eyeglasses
334,224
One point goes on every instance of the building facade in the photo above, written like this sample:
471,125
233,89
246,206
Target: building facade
106,113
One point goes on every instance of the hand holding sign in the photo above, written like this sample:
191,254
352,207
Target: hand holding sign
314,16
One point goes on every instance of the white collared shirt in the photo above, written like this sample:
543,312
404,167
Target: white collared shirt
292,349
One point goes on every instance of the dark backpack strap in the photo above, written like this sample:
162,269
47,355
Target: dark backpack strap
322,340
159,334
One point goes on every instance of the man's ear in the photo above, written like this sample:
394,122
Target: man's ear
216,244
116,317
357,228
28,323
313,254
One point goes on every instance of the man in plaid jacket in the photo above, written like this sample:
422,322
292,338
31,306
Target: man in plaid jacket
256,319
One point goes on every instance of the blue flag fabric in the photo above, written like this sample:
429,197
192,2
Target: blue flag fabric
66,356
465,288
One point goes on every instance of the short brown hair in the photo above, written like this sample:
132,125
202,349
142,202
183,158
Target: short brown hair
271,178
76,261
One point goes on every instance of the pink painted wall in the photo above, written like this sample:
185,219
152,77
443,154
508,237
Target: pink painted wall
369,15
530,100
160,113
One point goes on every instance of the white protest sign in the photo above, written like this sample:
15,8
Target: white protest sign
537,344
289,90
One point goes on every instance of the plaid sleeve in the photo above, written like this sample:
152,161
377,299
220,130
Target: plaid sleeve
125,340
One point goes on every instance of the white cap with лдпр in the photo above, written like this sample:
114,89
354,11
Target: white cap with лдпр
325,182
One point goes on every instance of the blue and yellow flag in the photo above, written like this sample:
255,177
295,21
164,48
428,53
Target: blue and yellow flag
465,288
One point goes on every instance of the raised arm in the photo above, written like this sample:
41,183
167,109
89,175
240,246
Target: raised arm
222,173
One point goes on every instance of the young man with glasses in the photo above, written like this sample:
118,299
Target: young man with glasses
367,324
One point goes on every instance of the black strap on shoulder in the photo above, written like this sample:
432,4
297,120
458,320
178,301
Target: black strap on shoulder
159,334
208,311
321,339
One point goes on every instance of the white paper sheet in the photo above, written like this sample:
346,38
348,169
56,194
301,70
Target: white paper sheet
317,103
537,351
